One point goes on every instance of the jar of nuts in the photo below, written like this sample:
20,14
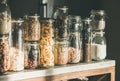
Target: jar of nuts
60,50
4,53
31,57
31,28
75,45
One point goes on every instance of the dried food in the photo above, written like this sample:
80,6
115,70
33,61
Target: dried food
31,29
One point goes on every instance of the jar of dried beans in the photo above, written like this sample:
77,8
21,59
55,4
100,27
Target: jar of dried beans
31,28
31,55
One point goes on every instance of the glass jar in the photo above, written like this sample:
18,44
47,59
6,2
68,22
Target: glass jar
17,54
31,55
74,53
46,43
46,56
98,19
61,23
5,17
60,50
98,46
87,39
47,27
31,27
4,53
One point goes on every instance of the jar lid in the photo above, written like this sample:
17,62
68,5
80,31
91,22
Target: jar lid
34,16
88,20
74,18
20,20
101,12
50,20
100,32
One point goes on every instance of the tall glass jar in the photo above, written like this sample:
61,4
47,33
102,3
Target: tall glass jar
74,54
17,54
31,27
46,43
60,50
5,17
98,19
61,23
87,39
98,46
31,55
4,53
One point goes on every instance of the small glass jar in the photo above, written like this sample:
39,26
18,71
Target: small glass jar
17,54
46,56
61,23
31,55
60,50
31,27
4,53
5,17
74,53
98,19
47,30
98,46
87,39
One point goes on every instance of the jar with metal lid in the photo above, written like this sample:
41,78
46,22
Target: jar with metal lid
60,50
5,17
4,53
98,19
17,51
75,47
61,23
31,28
98,46
31,55
87,39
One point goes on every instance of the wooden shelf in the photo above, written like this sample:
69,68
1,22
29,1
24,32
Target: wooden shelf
68,71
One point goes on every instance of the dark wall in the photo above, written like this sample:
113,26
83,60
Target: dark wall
19,8
82,7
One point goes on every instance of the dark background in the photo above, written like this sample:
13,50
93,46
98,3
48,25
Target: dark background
82,7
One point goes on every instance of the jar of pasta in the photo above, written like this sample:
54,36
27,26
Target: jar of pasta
31,28
46,43
4,53
60,50
31,55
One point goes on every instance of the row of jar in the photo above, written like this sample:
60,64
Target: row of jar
34,56
32,27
